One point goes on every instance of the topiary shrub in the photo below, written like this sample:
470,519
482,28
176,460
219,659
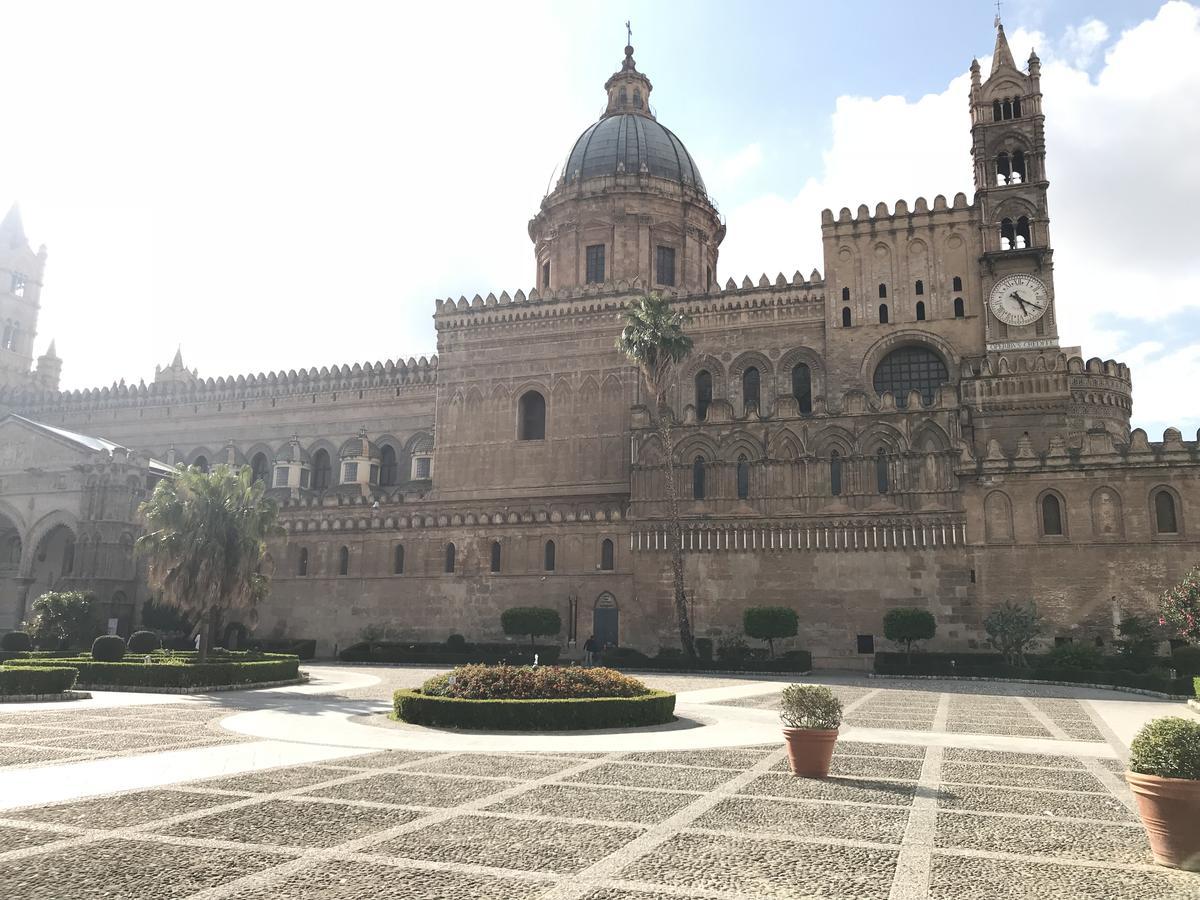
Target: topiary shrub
653,708
732,648
144,642
534,621
16,641
1167,747
1011,628
33,680
704,649
532,683
767,623
108,648
906,625
810,706
1073,655
456,643
1186,660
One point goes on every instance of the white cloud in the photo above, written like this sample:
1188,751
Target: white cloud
1123,195
742,163
1080,42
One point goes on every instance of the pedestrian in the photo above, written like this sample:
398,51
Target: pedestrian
589,650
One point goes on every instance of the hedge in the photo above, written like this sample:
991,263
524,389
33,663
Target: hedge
655,708
19,680
411,652
177,674
627,658
304,648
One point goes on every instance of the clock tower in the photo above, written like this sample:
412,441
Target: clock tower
1009,149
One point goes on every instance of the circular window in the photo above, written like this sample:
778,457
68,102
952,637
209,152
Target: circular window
910,369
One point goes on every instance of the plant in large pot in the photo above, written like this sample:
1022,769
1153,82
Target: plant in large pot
811,715
1164,775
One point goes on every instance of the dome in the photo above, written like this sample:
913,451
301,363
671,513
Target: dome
629,143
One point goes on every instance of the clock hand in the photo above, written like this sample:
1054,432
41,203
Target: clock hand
1017,297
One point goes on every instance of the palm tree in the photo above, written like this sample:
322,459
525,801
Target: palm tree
205,542
654,339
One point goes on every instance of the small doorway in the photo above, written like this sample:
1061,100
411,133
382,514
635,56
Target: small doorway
606,620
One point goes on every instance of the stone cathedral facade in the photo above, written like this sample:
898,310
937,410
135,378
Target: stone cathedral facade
904,429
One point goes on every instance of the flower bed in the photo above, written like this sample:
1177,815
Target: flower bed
174,672
546,698
34,680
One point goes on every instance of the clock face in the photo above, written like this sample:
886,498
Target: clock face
1019,299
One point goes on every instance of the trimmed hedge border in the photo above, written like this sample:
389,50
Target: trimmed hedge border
654,708
418,653
175,676
1001,679
36,680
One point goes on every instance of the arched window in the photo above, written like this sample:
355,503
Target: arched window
258,467
449,565
532,417
750,389
835,473
743,477
883,314
996,111
1052,522
1018,167
1016,107
1008,235
956,284
960,309
548,559
1165,520
302,563
344,561
322,471
1003,168
910,369
802,388
919,287
845,317
698,478
637,98
606,555
1024,238
201,463
1006,109
881,472
398,560
703,393
495,556
387,465
920,310
845,295
882,291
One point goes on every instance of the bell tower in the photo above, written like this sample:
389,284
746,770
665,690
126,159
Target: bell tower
1009,150
20,289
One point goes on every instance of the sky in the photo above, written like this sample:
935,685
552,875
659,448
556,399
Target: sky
276,185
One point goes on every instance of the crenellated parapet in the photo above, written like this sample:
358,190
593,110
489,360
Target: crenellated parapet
920,215
1098,449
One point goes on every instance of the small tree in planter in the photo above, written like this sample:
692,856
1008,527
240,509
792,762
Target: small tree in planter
906,625
1011,628
1164,775
767,623
1179,607
534,621
811,716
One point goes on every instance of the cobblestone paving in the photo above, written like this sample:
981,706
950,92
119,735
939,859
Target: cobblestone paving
894,820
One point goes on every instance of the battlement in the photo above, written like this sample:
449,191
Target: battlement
1099,448
920,214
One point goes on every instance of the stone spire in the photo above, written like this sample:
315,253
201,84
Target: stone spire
628,89
1002,55
13,228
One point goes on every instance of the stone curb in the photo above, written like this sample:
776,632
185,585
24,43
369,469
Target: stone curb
45,698
1082,684
133,689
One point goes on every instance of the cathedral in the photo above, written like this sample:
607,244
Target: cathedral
900,427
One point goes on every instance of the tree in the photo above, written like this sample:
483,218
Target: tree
62,620
1138,644
205,542
653,339
1011,628
907,624
1179,607
766,623
534,621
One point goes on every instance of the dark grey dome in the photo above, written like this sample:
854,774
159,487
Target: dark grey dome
624,144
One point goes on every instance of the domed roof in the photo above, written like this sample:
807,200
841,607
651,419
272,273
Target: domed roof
629,143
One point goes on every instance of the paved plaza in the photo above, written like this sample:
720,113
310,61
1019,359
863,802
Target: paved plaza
939,789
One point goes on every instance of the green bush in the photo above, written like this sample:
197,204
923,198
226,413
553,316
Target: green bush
1186,660
810,706
62,620
173,672
532,683
304,648
108,648
535,621
770,623
142,642
704,649
968,663
1167,747
435,653
16,641
654,708
906,625
1072,655
19,680
1137,644
732,648
1011,628
456,643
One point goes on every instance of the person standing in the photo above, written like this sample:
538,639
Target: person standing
589,650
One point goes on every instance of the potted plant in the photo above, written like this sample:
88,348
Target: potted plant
811,715
1164,775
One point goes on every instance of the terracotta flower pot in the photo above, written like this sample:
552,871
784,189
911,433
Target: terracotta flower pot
810,750
1170,811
